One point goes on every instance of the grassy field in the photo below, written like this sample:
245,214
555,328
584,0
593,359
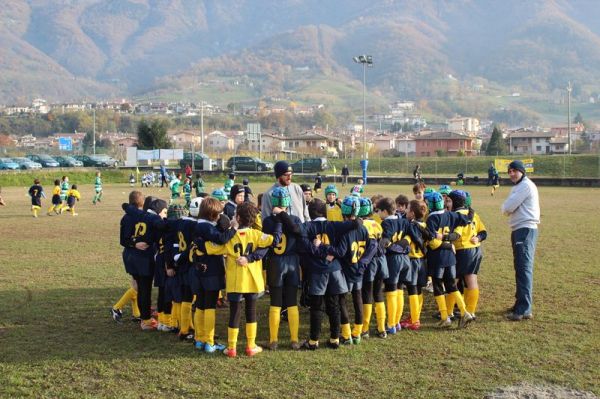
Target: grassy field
60,275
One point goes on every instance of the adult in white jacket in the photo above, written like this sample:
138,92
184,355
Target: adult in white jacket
523,208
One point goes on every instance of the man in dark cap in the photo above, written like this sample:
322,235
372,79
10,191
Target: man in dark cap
523,208
283,174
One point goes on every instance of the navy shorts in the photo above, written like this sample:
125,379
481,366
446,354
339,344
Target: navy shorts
377,270
160,274
173,289
237,296
56,199
444,273
137,263
421,267
398,267
331,283
283,271
468,261
200,281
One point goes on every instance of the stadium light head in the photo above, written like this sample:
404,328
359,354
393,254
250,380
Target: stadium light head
363,59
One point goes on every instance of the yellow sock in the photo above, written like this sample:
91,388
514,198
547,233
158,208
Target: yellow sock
167,319
471,299
413,301
450,301
421,299
380,315
294,322
199,333
176,314
441,302
159,317
458,298
367,310
125,299
35,211
356,330
186,317
251,334
135,309
400,308
346,332
232,336
51,209
274,320
391,302
73,211
209,325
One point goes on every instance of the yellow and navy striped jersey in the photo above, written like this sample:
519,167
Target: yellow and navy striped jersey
374,228
258,222
469,231
334,213
56,191
74,193
415,252
376,218
242,279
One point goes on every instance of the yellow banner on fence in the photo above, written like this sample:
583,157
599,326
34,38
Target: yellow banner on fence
502,165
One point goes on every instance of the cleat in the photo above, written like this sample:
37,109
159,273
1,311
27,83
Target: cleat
414,326
381,334
355,340
364,335
405,322
295,346
525,316
514,317
465,319
200,345
151,326
391,330
344,341
273,346
116,314
306,345
230,352
398,327
445,323
284,315
188,337
136,319
333,344
254,351
163,327
208,348
429,287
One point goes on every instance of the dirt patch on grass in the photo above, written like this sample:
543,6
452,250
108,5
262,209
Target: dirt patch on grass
530,391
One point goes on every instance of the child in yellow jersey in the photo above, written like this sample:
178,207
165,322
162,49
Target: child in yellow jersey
56,201
243,278
72,197
333,207
468,249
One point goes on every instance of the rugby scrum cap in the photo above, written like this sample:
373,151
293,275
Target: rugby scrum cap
435,202
281,168
219,194
280,197
195,206
366,207
305,188
350,206
444,189
458,198
235,190
331,189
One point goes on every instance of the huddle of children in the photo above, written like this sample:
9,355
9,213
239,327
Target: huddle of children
372,248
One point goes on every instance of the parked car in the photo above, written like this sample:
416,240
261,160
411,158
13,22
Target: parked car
248,164
8,164
198,161
26,163
45,160
310,165
97,160
67,161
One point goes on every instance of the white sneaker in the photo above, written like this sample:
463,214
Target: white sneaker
163,327
465,319
445,323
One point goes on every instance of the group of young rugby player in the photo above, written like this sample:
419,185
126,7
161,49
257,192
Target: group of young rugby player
218,249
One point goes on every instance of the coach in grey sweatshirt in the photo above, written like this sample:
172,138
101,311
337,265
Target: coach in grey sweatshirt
523,208
298,207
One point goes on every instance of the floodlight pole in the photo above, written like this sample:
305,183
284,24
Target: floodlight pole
94,130
569,89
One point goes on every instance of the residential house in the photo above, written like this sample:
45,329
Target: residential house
468,126
406,144
184,138
384,142
444,142
219,142
529,142
314,142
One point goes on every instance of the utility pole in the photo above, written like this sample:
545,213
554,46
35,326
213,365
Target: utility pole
569,89
202,127
94,130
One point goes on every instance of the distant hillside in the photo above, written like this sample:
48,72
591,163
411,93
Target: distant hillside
240,50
